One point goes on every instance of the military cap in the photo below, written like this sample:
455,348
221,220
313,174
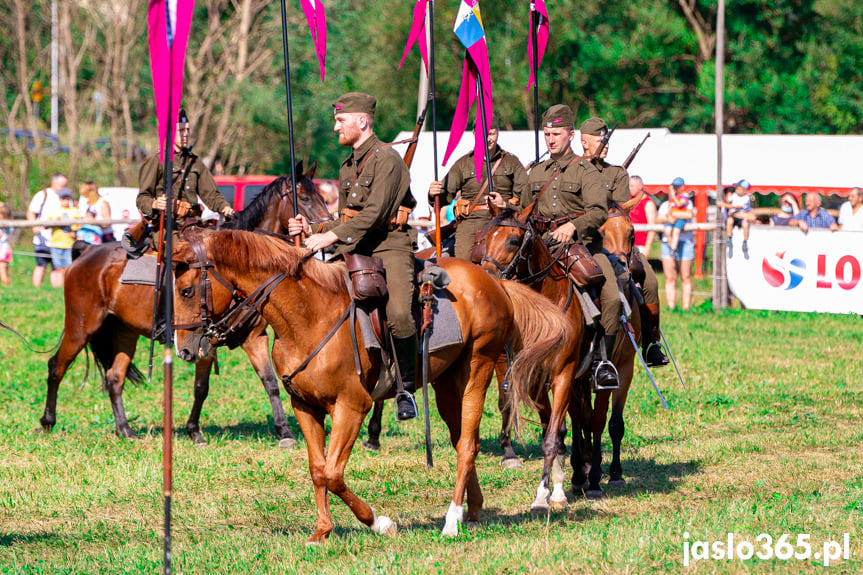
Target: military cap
493,125
594,127
558,116
182,118
355,102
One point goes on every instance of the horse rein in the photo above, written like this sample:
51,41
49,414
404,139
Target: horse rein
509,271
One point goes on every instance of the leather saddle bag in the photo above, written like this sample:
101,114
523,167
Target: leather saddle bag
580,266
636,266
478,251
368,278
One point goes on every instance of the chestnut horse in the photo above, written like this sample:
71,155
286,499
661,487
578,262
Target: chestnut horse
326,374
514,250
109,316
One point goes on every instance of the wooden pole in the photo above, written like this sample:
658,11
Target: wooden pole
720,281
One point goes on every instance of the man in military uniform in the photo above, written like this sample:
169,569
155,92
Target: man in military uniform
192,180
508,180
574,200
375,200
615,181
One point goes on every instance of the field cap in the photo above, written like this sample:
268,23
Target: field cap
493,125
65,193
558,116
594,127
743,184
355,102
677,182
182,118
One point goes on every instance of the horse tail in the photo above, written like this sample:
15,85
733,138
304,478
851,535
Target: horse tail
543,338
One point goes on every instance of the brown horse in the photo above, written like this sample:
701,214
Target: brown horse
109,316
515,250
326,374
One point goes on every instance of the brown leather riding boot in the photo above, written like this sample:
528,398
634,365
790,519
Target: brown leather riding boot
652,352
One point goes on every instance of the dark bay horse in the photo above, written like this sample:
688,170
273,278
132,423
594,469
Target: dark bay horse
515,250
312,301
110,316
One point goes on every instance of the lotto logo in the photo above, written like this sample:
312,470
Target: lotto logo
780,272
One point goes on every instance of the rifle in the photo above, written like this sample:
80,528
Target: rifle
412,147
631,157
602,144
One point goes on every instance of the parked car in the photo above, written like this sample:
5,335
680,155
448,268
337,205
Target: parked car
105,147
241,190
49,142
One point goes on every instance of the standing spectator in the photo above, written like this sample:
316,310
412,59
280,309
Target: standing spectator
44,201
851,212
62,237
5,246
814,216
739,214
678,261
93,206
643,213
790,208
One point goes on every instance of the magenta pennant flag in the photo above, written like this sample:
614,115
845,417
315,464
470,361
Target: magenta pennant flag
541,32
469,30
168,22
418,34
317,19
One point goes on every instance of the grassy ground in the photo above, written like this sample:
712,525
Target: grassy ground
765,441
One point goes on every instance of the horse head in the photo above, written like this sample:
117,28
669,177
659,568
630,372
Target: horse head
310,203
618,234
509,242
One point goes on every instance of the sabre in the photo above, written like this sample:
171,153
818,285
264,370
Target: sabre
671,355
628,329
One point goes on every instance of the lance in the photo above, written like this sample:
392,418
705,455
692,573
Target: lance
168,301
432,86
534,23
297,240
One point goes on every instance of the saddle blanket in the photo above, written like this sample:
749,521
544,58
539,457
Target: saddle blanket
141,271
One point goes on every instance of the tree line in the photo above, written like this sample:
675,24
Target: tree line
791,67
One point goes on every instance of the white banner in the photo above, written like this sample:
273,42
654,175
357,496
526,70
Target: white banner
788,270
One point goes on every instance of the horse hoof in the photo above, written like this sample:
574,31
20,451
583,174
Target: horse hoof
198,439
619,482
384,526
593,493
317,538
511,463
538,511
287,443
558,505
471,525
450,530
374,447
43,430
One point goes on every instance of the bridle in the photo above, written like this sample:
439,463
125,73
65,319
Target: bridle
624,257
510,270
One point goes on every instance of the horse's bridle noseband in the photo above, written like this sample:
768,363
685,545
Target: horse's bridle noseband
510,270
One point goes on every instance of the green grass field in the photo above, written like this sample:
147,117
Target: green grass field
765,441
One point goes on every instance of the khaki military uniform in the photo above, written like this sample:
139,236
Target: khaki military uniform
376,192
509,180
191,180
577,193
615,180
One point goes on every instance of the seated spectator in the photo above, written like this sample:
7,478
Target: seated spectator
739,214
814,216
677,201
851,212
790,208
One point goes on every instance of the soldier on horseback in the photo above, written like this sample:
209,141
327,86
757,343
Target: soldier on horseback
615,181
375,201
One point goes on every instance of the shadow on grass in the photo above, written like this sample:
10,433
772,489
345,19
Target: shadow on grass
12,539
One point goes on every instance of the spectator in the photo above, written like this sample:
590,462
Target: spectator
5,246
62,237
43,202
814,216
677,199
94,207
331,197
739,215
643,213
851,212
678,261
790,208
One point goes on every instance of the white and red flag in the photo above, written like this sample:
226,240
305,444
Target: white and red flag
317,19
469,30
168,22
541,31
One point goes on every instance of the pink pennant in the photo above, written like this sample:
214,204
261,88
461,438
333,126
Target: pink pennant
537,6
166,63
467,95
317,19
418,34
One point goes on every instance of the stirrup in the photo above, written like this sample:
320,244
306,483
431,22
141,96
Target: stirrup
610,366
405,406
654,356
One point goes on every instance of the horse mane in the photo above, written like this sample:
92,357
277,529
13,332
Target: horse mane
251,216
247,252
505,214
